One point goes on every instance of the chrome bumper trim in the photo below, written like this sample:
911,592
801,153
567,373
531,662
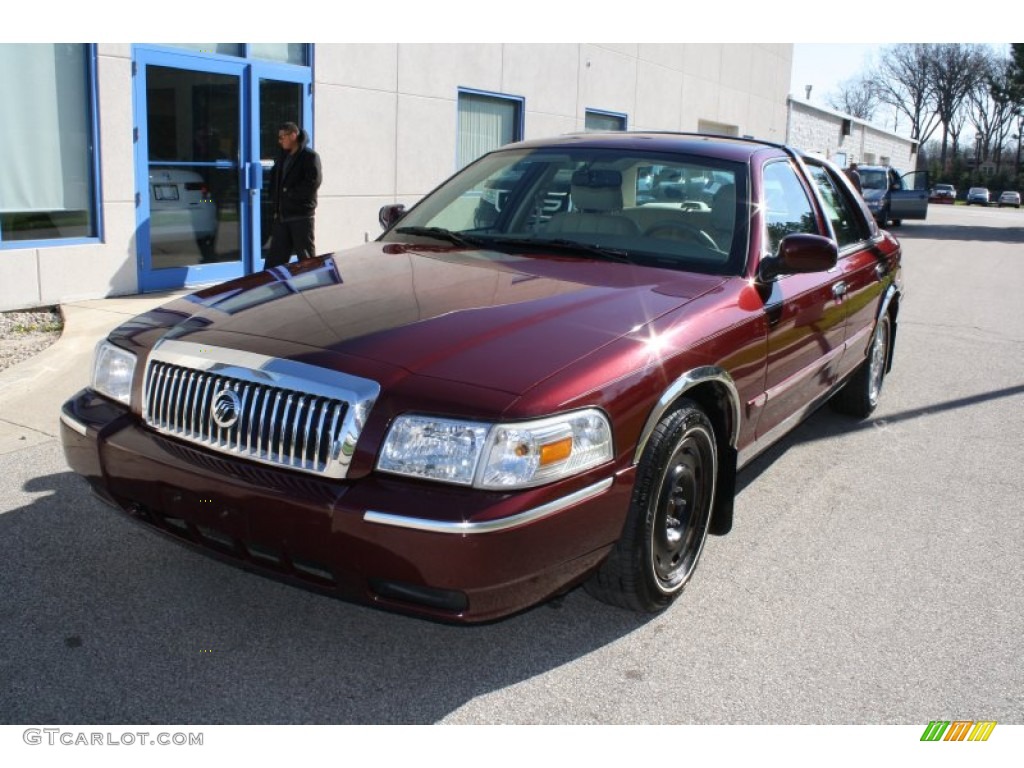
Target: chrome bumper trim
72,424
490,526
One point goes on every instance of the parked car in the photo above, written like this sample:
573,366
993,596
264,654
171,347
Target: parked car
1009,198
181,208
460,421
892,197
942,193
978,196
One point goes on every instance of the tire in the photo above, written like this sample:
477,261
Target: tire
859,397
668,518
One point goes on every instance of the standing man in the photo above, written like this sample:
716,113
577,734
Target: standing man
854,176
294,182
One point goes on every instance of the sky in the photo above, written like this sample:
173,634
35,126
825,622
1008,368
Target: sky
826,65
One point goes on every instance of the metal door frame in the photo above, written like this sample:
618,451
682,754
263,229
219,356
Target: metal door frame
249,72
262,70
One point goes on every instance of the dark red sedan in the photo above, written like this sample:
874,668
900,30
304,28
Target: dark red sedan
546,373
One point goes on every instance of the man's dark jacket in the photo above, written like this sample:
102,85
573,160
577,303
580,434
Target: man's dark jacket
294,195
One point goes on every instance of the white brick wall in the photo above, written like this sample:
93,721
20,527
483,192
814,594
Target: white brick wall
819,131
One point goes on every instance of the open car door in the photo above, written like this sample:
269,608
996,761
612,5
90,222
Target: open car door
908,198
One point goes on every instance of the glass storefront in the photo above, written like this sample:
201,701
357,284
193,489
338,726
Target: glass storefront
208,139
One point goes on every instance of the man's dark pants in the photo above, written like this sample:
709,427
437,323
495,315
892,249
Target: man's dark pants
288,237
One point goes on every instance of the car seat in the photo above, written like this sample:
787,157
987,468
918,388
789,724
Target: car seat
596,206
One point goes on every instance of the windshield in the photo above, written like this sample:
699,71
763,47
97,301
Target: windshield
665,210
874,180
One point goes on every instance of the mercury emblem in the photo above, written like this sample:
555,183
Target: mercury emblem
227,407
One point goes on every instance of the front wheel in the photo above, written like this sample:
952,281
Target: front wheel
668,518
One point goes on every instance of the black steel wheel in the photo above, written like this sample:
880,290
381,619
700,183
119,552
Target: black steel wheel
668,519
860,395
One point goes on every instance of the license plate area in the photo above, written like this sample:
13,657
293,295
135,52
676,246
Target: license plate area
165,191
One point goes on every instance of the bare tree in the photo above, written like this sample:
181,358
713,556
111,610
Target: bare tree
1015,92
857,97
991,110
955,70
904,81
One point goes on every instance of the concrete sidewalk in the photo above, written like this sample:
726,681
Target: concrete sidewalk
32,392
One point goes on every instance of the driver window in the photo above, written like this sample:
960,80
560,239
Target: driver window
787,208
838,208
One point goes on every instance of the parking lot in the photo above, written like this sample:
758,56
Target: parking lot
873,575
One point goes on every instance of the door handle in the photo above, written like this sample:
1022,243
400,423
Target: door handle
254,176
839,289
880,271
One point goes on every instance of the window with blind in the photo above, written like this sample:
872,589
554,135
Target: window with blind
47,168
604,121
486,122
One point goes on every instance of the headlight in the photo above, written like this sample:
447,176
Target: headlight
497,456
112,372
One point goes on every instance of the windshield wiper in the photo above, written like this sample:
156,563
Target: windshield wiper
571,246
473,241
440,233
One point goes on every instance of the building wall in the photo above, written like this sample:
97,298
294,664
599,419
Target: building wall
820,131
31,277
386,115
385,122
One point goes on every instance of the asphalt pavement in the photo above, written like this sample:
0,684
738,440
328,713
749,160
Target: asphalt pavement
874,574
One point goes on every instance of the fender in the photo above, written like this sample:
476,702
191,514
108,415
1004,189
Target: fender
689,380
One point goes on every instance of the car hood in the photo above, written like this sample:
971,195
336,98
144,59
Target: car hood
873,194
482,318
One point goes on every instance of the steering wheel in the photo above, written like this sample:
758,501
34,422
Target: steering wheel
688,231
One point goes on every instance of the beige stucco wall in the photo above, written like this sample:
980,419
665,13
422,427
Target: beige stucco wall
411,91
31,277
385,121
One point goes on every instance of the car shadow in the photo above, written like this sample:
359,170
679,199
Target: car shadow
826,424
968,233
104,621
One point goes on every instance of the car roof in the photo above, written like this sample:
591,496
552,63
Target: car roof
708,145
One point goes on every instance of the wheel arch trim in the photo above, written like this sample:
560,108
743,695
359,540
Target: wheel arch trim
695,377
890,294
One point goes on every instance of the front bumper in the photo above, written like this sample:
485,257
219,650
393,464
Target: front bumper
447,553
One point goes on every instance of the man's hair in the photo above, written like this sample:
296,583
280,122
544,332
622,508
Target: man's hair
288,127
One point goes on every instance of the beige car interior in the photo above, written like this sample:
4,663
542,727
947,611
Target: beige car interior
604,201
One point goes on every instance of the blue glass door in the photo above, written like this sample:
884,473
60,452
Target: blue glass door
191,149
279,94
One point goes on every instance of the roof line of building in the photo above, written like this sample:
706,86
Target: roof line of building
845,116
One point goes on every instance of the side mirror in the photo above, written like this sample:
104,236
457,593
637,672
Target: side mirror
797,254
390,214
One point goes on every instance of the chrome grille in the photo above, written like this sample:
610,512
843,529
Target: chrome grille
267,410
